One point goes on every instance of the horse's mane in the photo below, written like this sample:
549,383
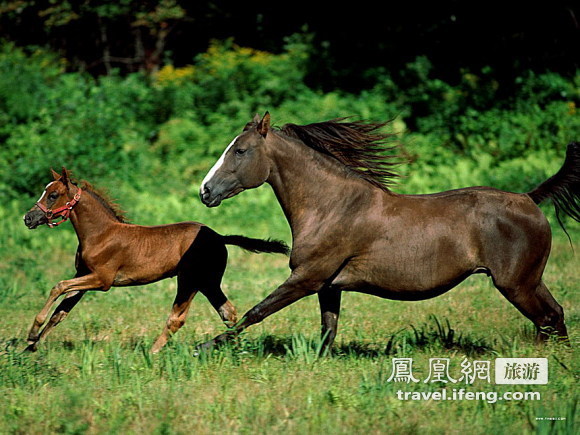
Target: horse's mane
105,200
358,145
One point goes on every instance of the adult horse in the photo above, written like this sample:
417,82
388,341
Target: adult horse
352,233
113,253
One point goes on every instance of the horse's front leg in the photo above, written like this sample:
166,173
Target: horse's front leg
69,302
86,282
294,289
61,312
329,300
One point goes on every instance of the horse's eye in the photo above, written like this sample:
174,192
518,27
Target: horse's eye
240,151
53,196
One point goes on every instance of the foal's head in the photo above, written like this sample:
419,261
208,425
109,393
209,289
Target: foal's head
53,201
243,165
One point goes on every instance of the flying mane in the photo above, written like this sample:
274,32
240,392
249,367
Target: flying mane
358,145
105,200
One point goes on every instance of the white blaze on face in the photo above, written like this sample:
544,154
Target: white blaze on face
217,165
44,193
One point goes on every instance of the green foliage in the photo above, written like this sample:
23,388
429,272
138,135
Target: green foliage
51,119
129,131
24,76
233,80
471,118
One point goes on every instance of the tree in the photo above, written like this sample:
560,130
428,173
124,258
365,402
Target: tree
97,34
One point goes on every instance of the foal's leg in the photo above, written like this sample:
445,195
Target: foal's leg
211,268
58,316
86,282
329,300
295,288
202,267
537,304
66,305
221,304
181,305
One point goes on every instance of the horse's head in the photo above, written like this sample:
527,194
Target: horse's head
57,200
243,165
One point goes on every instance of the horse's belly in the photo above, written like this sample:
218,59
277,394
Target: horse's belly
413,275
150,269
123,279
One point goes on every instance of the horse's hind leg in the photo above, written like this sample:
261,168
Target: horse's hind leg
181,305
221,304
209,255
537,304
329,300
187,287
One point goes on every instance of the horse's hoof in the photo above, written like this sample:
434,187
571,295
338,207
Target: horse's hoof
31,347
156,348
204,348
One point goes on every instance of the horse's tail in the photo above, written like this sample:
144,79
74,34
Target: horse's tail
257,245
563,188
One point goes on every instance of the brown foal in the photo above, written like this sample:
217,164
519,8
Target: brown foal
352,233
113,253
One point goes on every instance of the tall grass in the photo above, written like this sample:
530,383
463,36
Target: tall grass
95,374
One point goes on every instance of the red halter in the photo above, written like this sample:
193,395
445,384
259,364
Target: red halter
63,212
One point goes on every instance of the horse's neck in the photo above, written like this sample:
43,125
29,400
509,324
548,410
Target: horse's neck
308,183
90,218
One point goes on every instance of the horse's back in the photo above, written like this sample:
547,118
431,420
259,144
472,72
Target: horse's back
493,225
478,207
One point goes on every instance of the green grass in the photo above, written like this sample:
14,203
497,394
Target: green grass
94,373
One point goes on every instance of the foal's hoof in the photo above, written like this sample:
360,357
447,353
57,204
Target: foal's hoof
31,347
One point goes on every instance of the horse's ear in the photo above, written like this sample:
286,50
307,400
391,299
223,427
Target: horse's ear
254,122
55,174
64,176
264,125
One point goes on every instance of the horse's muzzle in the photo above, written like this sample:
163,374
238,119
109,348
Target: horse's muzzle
206,197
34,218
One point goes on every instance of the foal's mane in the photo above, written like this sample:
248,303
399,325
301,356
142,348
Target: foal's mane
105,201
358,145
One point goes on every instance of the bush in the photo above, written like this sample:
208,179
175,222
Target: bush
234,80
135,129
95,128
476,116
25,78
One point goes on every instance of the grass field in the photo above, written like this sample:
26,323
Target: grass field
94,373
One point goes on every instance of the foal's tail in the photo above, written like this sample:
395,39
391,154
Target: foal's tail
257,245
564,187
